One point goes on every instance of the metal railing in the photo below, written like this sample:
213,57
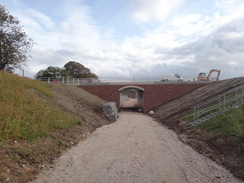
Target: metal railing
129,79
69,80
79,81
217,105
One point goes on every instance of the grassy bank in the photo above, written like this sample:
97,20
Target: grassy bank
227,135
30,128
224,134
230,123
38,121
24,115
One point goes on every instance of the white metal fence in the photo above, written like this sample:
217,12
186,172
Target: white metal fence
218,104
129,79
80,81
69,80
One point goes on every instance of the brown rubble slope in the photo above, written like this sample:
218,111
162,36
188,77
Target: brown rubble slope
81,104
220,149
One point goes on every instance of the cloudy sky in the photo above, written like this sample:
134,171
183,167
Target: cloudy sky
141,38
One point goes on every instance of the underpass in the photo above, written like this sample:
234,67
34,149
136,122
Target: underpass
149,94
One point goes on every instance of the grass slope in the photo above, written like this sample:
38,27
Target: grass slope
230,123
25,116
38,121
227,135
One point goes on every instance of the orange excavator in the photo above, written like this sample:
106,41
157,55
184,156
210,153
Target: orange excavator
203,77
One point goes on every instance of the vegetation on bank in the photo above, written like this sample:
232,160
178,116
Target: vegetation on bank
34,130
24,115
230,127
225,135
231,123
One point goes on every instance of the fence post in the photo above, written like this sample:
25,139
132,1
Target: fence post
197,112
219,102
242,92
194,113
236,95
48,79
224,100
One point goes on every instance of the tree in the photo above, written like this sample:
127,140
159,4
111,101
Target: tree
77,70
52,72
14,43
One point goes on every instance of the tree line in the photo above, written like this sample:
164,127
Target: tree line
72,69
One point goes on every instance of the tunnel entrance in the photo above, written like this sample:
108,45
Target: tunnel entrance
131,98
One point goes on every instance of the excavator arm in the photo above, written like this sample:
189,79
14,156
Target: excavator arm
214,70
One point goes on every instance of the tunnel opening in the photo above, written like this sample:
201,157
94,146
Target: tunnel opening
131,99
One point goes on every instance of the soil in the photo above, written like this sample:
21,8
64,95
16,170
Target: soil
134,149
81,104
223,150
21,161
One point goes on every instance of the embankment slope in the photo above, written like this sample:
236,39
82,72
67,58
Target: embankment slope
222,149
21,157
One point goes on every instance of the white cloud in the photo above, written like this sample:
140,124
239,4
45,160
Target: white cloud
187,19
65,27
147,10
184,44
233,7
75,35
43,20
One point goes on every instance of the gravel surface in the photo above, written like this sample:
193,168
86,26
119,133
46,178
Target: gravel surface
127,102
134,149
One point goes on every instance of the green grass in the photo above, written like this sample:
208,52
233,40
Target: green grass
24,115
231,123
189,118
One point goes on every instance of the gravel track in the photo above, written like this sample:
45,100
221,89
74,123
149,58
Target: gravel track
134,149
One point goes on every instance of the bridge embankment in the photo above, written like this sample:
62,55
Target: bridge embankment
153,94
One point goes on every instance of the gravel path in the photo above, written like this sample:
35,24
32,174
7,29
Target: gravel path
134,149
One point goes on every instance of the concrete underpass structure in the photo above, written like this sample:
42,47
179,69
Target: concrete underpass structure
139,96
149,95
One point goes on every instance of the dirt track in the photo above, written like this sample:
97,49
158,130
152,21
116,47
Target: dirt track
134,149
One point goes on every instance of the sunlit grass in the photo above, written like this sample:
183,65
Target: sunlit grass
24,115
